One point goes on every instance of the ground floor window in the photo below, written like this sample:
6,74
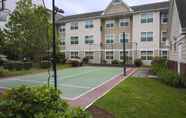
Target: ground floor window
164,54
109,55
121,55
90,55
146,55
74,55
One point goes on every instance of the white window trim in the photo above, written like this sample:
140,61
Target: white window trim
89,39
146,54
109,55
109,35
89,23
123,20
77,39
146,37
127,36
146,16
74,52
109,22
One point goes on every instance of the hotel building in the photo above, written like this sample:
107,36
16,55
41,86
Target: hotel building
99,35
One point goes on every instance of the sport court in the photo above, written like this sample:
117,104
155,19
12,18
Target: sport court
73,82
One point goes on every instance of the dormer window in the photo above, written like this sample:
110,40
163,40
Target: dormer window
116,1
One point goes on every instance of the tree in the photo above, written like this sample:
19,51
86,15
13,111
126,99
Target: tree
2,41
28,31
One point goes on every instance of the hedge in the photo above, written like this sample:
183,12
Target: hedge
37,102
160,68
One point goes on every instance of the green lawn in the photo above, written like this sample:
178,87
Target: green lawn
34,70
144,98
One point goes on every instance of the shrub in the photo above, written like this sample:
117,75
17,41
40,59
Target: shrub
183,80
60,58
104,62
45,64
13,65
18,65
36,102
159,60
3,72
85,60
8,65
74,62
27,65
159,67
115,62
138,62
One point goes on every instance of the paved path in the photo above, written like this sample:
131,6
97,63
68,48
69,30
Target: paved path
88,99
142,73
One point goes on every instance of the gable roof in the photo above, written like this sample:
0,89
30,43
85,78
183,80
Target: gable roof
181,7
98,14
152,6
81,16
119,4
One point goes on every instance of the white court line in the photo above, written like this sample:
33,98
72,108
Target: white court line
35,81
61,85
82,73
74,98
110,89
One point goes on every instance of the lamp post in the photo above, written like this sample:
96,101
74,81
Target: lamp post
124,56
55,10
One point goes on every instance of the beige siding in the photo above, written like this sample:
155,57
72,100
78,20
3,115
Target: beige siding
175,31
118,8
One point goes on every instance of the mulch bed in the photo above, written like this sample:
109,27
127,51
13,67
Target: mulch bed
99,112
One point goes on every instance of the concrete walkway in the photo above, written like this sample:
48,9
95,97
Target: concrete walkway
142,73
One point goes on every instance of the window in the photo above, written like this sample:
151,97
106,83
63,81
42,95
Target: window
146,36
109,38
126,37
2,4
146,55
109,55
90,55
164,54
74,40
74,55
164,18
147,18
3,16
116,1
121,55
74,26
89,39
164,36
109,24
62,28
89,24
63,43
124,23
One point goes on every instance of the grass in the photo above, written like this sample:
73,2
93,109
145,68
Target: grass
144,98
31,71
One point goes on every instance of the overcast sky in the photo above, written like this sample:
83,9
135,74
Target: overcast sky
82,6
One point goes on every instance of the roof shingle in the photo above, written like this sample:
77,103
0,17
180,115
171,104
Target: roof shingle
181,6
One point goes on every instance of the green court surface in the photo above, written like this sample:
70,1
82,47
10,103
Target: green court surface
73,82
